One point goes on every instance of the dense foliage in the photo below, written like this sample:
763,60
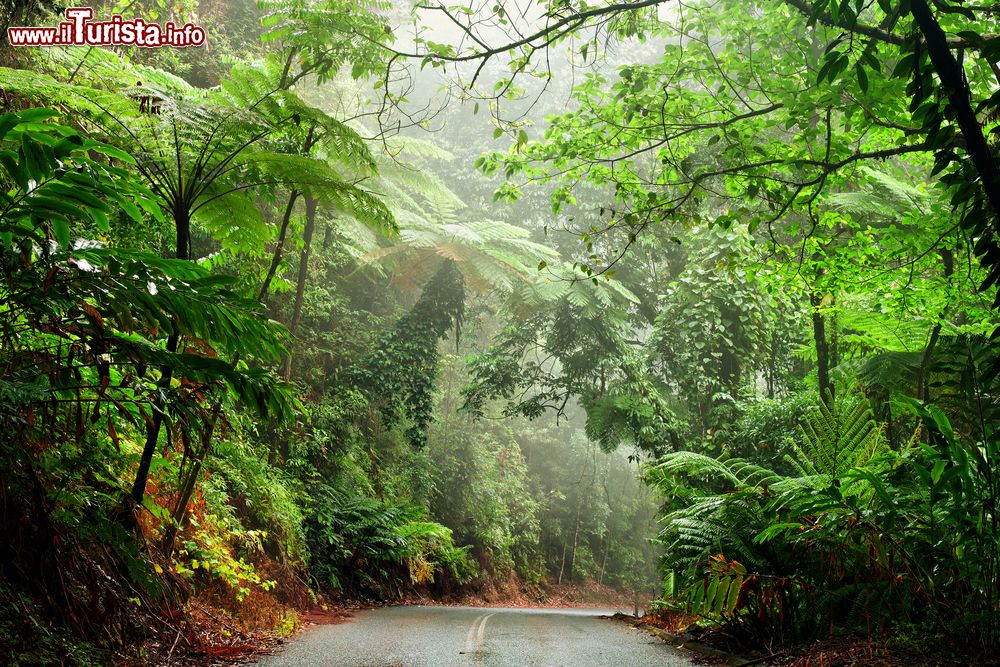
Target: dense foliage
269,337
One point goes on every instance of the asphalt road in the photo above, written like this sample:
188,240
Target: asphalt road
476,637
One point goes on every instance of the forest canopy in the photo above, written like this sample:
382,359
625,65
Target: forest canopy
498,301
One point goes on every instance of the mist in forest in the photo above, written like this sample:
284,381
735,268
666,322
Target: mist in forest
679,308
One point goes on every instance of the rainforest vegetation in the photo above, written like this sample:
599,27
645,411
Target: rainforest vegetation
368,302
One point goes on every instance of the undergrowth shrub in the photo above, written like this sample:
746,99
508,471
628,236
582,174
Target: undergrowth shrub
210,548
767,430
859,537
482,491
379,548
242,487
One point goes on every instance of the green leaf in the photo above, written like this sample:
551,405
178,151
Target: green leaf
60,230
939,467
734,594
36,114
7,122
34,159
130,209
13,167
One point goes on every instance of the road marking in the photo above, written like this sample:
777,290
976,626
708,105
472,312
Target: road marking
477,635
481,635
471,637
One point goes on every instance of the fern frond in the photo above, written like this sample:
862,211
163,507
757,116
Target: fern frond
839,438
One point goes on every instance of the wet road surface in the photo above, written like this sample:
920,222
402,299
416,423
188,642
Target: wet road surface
476,637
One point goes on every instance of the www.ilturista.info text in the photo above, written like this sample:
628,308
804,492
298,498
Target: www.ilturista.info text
80,30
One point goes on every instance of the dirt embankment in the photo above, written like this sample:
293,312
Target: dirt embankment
518,594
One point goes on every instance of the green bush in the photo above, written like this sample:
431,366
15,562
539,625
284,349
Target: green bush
859,537
244,488
378,548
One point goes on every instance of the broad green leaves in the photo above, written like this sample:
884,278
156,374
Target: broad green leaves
112,305
56,182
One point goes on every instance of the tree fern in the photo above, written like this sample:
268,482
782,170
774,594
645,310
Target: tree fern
201,150
882,194
490,254
877,331
838,438
323,36
737,523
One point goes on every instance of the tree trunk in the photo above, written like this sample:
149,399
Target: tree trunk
187,486
562,564
189,483
923,388
300,287
822,350
834,335
954,83
576,536
182,224
280,247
